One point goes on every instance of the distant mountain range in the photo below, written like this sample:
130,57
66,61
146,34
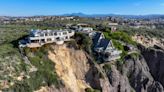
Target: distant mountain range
151,16
88,15
116,15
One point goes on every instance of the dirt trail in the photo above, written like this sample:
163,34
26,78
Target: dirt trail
71,66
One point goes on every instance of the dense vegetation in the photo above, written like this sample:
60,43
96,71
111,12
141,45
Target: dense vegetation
11,63
83,41
120,36
58,23
10,33
158,33
10,57
7,49
45,74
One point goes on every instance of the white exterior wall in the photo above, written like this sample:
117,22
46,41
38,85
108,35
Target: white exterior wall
50,35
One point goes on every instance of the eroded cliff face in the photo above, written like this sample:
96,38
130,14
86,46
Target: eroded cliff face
155,60
77,72
133,75
76,69
71,66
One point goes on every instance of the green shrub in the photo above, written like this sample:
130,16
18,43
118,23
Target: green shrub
121,36
118,45
83,41
8,50
20,86
107,67
134,55
91,90
44,76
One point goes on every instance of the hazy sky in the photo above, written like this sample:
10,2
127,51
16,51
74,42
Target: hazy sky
54,7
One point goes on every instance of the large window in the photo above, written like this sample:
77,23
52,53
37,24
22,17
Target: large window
55,34
41,35
46,34
70,31
51,34
60,34
34,41
58,39
66,37
43,40
64,33
49,39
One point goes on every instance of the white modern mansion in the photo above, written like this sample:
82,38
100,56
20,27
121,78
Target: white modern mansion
38,38
86,30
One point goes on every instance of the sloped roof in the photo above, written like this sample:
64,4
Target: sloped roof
96,37
103,43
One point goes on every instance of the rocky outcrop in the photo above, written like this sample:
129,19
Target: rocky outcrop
78,73
133,75
119,82
155,60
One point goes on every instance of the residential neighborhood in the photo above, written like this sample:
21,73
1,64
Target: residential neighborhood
102,46
81,45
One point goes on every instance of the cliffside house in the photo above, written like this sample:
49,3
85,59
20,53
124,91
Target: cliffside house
86,30
83,25
113,26
105,47
37,38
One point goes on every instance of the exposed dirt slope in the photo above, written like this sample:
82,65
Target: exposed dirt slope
71,66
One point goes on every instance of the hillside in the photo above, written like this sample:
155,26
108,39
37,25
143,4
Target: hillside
72,67
79,74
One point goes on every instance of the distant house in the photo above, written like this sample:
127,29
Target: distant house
86,30
113,26
37,38
136,25
82,25
105,47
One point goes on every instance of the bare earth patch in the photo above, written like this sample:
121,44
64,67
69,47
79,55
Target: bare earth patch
71,66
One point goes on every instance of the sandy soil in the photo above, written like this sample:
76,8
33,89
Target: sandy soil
67,62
